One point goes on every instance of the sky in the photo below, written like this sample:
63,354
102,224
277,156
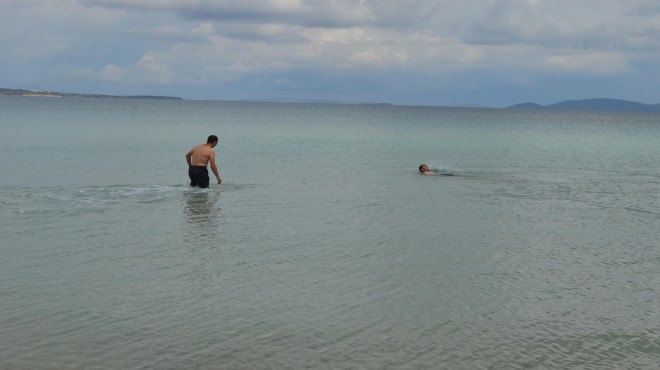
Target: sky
491,53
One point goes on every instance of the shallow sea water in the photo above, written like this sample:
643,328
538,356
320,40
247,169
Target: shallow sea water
324,248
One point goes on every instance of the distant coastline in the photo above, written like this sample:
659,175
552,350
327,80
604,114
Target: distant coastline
597,104
600,104
53,94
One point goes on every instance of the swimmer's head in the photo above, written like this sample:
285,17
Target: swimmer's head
423,168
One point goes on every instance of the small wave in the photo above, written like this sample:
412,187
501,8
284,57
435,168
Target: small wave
234,187
92,198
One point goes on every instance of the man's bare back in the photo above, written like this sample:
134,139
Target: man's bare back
201,154
198,158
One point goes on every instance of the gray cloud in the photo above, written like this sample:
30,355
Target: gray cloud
170,34
646,8
270,33
311,13
609,25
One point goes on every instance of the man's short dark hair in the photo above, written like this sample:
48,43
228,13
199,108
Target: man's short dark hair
212,139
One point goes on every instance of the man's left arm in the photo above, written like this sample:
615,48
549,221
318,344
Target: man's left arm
214,168
189,158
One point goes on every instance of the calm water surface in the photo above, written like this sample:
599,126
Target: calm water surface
324,248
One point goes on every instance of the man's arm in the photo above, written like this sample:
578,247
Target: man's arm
214,168
189,158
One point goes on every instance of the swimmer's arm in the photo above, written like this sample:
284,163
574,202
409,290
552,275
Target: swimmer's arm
214,168
189,158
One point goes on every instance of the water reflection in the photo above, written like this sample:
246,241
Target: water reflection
201,211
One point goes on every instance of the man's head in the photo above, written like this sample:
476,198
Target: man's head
423,168
212,140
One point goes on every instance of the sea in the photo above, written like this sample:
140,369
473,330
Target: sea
535,245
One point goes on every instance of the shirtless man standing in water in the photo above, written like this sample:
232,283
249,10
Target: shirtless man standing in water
198,158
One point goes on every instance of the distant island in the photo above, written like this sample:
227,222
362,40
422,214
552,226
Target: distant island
52,94
602,104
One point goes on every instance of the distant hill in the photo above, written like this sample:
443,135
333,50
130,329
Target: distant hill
19,92
594,105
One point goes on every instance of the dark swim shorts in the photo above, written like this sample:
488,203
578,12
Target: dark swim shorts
199,176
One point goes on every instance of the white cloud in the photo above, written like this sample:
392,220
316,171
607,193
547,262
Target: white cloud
149,70
204,29
155,70
591,63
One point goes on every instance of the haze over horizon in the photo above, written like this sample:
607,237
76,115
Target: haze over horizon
483,53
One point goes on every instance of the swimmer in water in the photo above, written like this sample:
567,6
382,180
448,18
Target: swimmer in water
424,169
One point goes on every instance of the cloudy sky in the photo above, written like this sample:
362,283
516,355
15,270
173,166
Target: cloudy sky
454,52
